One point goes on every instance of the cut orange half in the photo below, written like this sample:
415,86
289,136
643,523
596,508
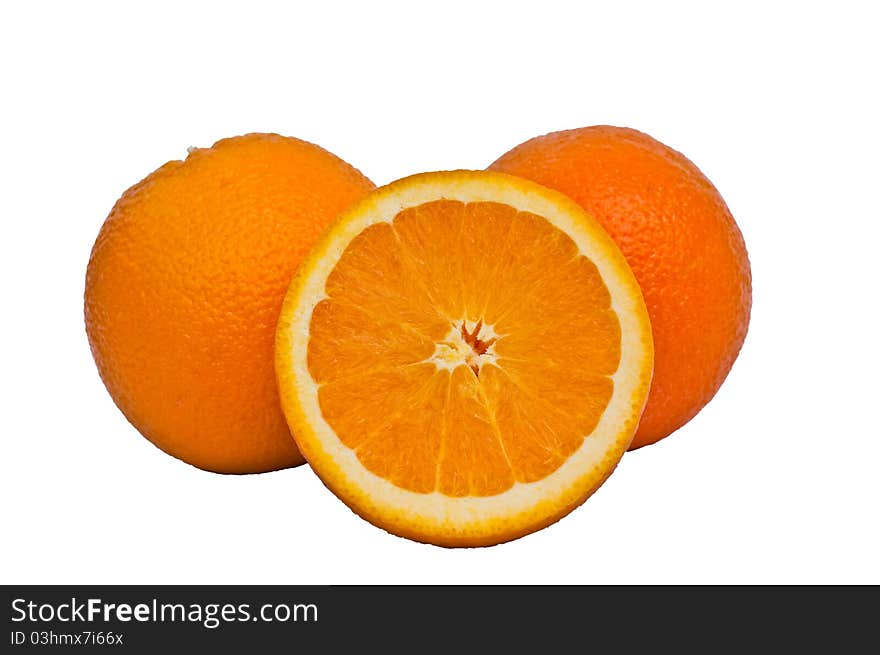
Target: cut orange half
464,357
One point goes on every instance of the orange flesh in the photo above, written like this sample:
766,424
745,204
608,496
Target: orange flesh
463,348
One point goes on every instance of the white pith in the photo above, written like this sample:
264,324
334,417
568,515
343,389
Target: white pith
453,351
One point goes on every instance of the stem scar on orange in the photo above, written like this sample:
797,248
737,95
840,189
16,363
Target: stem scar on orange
679,238
184,286
464,357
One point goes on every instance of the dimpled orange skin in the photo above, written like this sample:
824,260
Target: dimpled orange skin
680,240
184,287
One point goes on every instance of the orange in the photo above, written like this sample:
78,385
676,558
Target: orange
464,357
682,243
184,286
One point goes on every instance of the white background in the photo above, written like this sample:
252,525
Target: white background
775,481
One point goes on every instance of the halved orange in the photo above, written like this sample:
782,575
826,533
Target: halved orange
464,357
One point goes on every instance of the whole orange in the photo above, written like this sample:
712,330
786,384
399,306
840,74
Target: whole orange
681,242
184,287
